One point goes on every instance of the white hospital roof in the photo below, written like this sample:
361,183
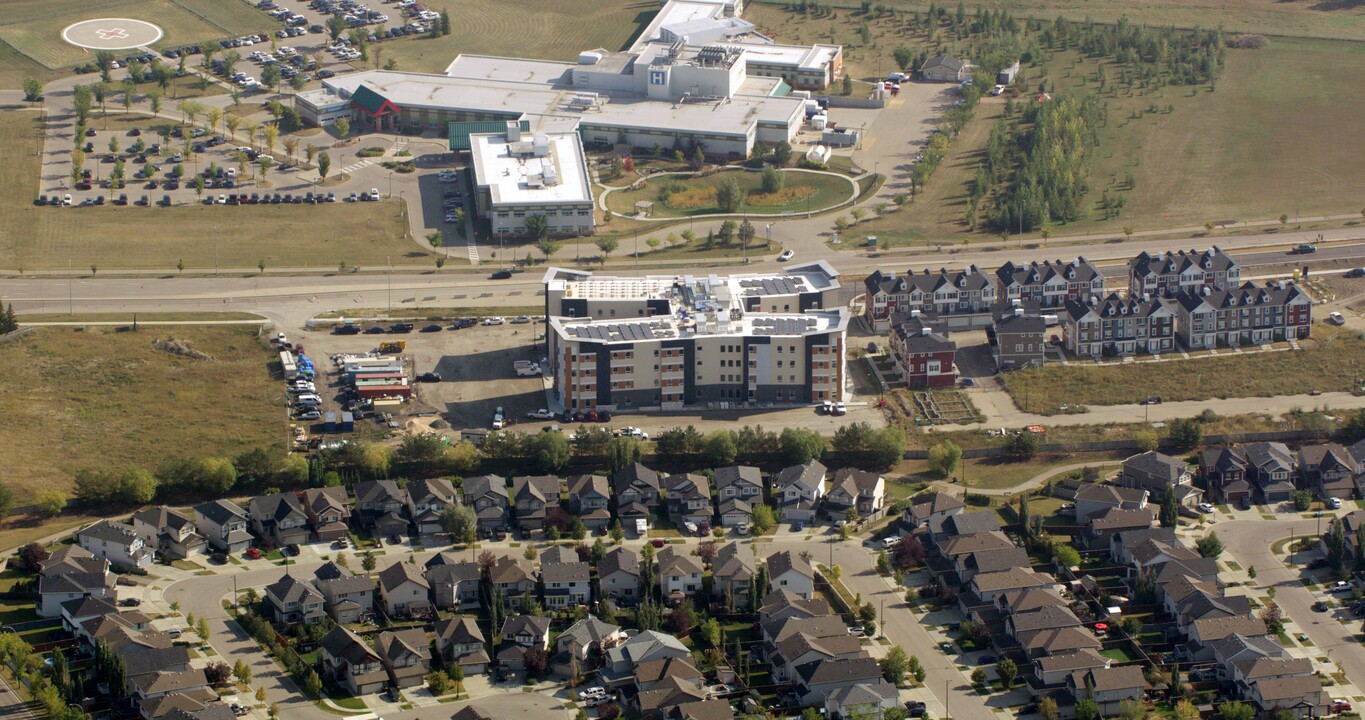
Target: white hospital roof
511,178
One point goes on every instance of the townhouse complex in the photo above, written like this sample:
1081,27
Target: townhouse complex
671,341
1188,300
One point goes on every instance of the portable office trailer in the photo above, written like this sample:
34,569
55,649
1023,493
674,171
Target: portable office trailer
287,365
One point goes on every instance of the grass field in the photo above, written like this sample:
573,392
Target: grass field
1340,20
1329,362
153,237
34,28
544,29
74,398
142,317
807,191
1267,141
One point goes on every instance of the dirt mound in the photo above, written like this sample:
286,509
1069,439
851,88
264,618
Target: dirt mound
181,348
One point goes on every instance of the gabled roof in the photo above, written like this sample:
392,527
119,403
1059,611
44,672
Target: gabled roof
559,554
111,532
460,630
508,570
379,491
704,710
544,488
275,508
526,625
926,504
734,559
452,573
965,523
400,572
1047,617
1013,579
582,485
368,100
635,475
780,563
1123,677
920,336
1328,456
733,474
169,681
1112,495
163,517
148,660
330,570
221,512
807,475
1115,519
673,562
320,500
1273,667
1157,465
826,671
570,572
1179,262
431,490
1047,272
395,645
1083,659
481,485
673,668
865,693
687,486
619,559
781,599
346,646
1210,629
976,542
589,631
735,504
472,712
291,589
1288,688
1114,307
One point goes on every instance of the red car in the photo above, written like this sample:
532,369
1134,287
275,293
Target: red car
1340,706
253,553
658,542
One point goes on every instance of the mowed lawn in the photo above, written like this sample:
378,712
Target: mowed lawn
542,29
183,21
1328,362
1272,137
36,238
809,190
73,398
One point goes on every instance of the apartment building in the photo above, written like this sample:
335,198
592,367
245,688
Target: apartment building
631,343
1166,273
1115,326
1247,315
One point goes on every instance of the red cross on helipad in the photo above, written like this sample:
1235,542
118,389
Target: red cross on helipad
111,34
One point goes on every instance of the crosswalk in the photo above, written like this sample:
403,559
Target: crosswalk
357,165
473,247
398,145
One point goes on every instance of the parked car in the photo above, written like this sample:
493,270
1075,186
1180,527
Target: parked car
1334,503
520,320
1205,508
429,377
786,255
400,328
253,553
1356,272
431,328
987,660
1336,318
541,414
493,321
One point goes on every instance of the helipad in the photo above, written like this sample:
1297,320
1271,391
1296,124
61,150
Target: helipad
111,34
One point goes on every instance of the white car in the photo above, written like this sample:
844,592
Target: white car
1336,318
592,692
840,408
786,255
1334,503
633,432
374,193
541,414
493,321
998,90
1205,508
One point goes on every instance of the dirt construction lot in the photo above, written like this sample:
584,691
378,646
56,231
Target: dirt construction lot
475,365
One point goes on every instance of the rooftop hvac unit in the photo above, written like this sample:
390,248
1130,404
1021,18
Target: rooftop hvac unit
588,57
1018,312
550,175
924,331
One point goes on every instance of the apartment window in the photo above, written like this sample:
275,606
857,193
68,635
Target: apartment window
518,213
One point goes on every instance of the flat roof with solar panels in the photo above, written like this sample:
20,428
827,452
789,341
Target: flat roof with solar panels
691,293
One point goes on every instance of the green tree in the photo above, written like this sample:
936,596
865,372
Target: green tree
1236,710
904,57
729,194
916,669
201,628
1023,445
798,445
438,682
368,562
608,246
270,76
1047,707
887,446
343,127
782,154
1007,671
1067,555
548,246
1170,511
894,665
1186,432
1302,500
324,163
33,89
537,226
242,672
6,500
718,449
461,522
336,25
764,518
944,457
1147,440
773,180
979,678
549,451
1086,709
1209,546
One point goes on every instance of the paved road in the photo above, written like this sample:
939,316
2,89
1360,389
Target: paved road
11,707
1249,542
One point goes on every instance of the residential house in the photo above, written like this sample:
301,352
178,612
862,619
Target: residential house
717,709
946,68
1166,274
987,586
1118,327
170,532
75,612
1205,632
327,509
1054,670
279,519
798,489
459,640
379,506
566,585
155,693
816,680
643,647
739,481
583,645
590,500
733,574
1097,529
1328,470
118,543
618,575
532,500
982,553
1018,339
862,490
1109,687
473,712
404,590
487,494
1246,673
660,686
454,583
404,655
72,573
630,514
801,642
349,597
427,500
791,572
784,604
1224,474
892,296
1158,474
636,483
513,578
867,701
1244,316
521,633
923,354
295,601
1094,499
1048,284
679,573
930,505
1302,696
735,512
1350,523
349,662
689,498
223,525
939,530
